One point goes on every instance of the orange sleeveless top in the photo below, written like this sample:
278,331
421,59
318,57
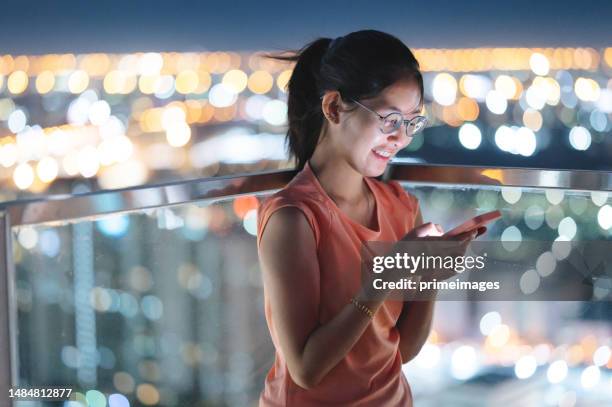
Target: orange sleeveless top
370,374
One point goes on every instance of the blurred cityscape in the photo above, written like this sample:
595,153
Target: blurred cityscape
164,306
110,121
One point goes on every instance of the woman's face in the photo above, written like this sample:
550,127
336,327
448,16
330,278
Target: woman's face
360,137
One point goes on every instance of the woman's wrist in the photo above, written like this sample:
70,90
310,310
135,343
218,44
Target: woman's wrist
371,297
363,307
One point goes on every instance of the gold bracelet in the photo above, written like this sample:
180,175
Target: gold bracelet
363,308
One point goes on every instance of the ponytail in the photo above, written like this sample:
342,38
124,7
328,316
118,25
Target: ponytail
304,100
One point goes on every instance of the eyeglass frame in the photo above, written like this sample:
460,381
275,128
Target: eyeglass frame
403,121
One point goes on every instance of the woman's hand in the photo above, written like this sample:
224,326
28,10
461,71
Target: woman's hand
428,239
435,243
424,230
419,233
433,229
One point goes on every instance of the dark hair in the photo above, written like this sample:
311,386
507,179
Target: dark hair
359,65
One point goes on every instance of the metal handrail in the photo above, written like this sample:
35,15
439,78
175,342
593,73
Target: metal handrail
57,208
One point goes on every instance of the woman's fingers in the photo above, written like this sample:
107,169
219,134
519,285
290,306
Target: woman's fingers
424,230
481,230
431,229
439,229
469,235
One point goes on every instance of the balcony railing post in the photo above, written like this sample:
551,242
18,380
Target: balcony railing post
8,368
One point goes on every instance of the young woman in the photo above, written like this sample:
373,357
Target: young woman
353,103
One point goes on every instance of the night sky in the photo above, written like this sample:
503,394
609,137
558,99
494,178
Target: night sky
33,27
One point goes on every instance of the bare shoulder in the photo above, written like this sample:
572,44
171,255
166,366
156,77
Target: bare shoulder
288,257
287,230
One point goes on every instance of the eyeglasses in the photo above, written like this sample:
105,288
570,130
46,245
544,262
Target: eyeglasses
393,121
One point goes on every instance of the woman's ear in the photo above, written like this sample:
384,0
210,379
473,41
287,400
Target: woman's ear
330,105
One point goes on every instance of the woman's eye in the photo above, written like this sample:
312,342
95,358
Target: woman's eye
388,126
392,122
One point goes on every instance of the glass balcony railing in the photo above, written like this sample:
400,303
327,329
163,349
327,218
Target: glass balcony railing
153,295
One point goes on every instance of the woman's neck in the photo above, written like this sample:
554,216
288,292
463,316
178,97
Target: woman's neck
339,180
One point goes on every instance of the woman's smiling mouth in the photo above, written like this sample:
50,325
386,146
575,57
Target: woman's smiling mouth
382,154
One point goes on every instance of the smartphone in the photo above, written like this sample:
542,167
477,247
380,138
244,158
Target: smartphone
474,223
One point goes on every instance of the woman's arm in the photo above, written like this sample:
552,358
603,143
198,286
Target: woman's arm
290,269
414,322
414,325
